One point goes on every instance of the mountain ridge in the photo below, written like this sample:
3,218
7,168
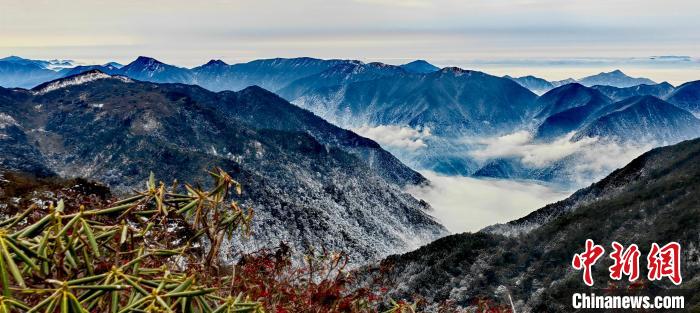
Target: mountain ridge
305,191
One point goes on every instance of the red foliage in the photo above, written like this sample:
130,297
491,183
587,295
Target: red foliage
320,284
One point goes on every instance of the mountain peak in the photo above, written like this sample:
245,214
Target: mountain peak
420,67
143,60
453,70
113,64
216,62
12,58
616,78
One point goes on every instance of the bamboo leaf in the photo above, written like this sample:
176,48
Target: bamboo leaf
91,238
68,225
11,265
151,181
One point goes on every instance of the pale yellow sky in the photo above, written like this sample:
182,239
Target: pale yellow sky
498,36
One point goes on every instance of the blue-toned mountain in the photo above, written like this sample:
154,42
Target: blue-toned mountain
341,74
420,67
643,119
615,78
566,108
687,96
661,91
535,84
152,70
271,74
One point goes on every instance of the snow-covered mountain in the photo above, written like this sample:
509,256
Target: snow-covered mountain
310,182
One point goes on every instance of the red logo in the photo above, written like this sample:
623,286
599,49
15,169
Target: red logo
626,262
661,262
665,262
587,259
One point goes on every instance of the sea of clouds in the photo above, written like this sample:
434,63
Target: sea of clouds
470,204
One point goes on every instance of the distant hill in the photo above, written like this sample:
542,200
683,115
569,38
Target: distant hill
564,98
271,74
615,78
341,74
24,74
150,69
535,84
567,108
687,96
643,118
661,90
420,67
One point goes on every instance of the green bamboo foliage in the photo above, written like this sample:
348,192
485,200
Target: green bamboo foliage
155,251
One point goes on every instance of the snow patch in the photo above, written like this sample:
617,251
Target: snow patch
150,124
7,121
77,80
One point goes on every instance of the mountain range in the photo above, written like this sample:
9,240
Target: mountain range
449,111
615,78
450,104
526,264
311,183
585,115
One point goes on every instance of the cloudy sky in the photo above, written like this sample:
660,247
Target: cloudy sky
551,38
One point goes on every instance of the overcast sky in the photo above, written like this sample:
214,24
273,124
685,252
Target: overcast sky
552,38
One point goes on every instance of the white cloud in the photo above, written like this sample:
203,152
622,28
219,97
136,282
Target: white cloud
520,145
597,161
590,158
470,204
394,136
